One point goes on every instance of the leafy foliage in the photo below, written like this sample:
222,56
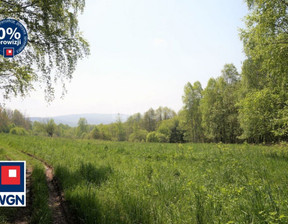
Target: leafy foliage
18,131
138,136
83,127
265,71
257,111
50,127
193,119
218,109
266,39
54,46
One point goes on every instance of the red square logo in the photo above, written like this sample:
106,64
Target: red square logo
9,52
10,175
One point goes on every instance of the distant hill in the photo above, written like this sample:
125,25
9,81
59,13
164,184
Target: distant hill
72,119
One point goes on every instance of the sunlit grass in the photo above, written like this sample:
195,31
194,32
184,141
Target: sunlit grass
112,182
39,211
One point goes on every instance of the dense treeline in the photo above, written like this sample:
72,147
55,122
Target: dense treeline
253,105
249,106
14,122
161,125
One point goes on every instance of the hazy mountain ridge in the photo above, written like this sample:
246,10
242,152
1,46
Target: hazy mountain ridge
72,119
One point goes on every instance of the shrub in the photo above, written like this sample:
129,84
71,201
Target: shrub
18,131
152,137
156,137
138,136
95,133
162,138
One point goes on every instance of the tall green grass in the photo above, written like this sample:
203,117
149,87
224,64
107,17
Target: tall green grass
39,211
112,182
6,214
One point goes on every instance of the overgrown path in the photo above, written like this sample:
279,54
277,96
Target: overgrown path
23,216
60,213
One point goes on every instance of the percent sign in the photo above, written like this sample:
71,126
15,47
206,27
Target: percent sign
10,32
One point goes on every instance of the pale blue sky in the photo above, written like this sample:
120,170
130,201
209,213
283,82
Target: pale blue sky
143,52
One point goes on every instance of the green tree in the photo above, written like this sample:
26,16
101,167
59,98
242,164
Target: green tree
138,135
38,128
218,107
50,127
257,112
54,47
164,113
252,76
210,111
64,130
134,123
95,133
105,132
4,120
265,39
231,96
171,130
230,74
191,99
82,127
149,120
18,131
265,71
121,135
280,123
156,137
19,120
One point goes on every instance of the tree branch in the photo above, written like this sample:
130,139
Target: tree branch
9,3
24,8
284,2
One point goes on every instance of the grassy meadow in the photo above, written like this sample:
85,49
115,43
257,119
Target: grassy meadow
40,212
121,182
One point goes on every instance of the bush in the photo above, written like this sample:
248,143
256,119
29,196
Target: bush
162,138
95,133
138,136
18,131
156,137
151,137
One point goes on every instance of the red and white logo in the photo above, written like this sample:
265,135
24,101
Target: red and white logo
12,183
9,52
10,175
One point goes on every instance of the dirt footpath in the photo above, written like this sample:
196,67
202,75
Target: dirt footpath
57,203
